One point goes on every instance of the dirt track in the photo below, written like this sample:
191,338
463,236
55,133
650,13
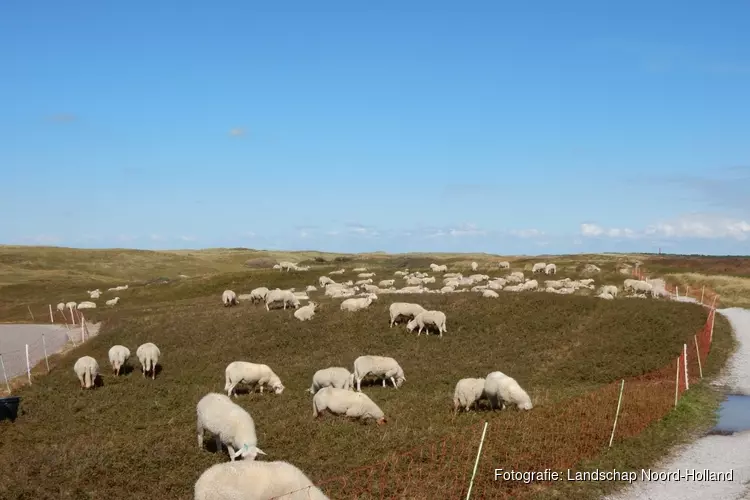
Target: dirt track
13,340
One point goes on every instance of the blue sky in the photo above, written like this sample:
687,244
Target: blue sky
545,127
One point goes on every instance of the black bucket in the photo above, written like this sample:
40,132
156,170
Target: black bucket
9,407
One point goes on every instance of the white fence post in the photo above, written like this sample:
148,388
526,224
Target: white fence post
46,359
711,333
684,354
5,375
476,462
698,353
72,315
617,414
83,330
51,317
28,363
677,382
703,291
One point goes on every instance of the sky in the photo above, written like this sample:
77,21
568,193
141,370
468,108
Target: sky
484,126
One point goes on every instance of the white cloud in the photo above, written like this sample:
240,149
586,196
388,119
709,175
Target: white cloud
362,230
188,238
527,233
157,237
701,226
125,237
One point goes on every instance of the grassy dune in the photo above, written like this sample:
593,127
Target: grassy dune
137,436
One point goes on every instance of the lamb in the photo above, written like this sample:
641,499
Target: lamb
428,318
229,298
405,309
324,280
118,356
503,265
335,376
252,374
386,283
498,386
258,294
610,289
229,423
284,296
539,267
94,294
148,354
490,294
87,369
474,266
344,402
356,304
306,313
112,302
468,392
253,480
86,305
550,269
379,366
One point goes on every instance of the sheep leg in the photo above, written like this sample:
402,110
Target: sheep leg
153,371
394,383
231,452
383,382
200,437
143,370
359,385
261,389
267,309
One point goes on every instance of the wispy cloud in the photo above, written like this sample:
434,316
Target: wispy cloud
188,238
527,233
62,118
41,239
157,237
362,230
237,132
125,238
699,226
726,188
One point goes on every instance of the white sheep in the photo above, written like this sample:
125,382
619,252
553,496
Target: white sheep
258,294
468,392
643,287
503,265
311,288
86,369
339,271
363,282
345,402
94,294
490,294
61,307
496,284
426,319
231,425
539,267
474,266
288,266
447,289
530,285
605,295
502,389
253,374
284,296
118,356
441,268
255,480
404,309
86,305
365,275
383,367
277,266
306,313
610,289
148,354
550,269
400,273
70,305
386,283
229,298
112,302
356,304
335,376
325,280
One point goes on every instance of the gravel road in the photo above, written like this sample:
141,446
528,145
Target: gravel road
13,340
713,452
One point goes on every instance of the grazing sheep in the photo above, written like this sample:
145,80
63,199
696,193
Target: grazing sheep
503,265
311,288
94,294
550,269
359,269
400,273
112,302
386,283
344,402
403,309
515,277
87,369
325,280
474,266
277,266
86,305
335,376
468,392
231,425
288,266
255,480
610,289
339,271
607,296
306,313
365,275
590,268
530,285
502,389
284,296
447,289
118,356
229,298
539,267
71,305
379,366
490,294
356,304
148,354
258,294
441,268
496,284
253,374
61,307
428,318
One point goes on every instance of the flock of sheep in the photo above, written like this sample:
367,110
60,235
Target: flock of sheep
334,389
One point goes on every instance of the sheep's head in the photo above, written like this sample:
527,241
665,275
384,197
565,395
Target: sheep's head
249,452
525,405
382,421
278,388
411,325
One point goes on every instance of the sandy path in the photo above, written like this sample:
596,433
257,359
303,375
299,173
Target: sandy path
715,453
13,340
